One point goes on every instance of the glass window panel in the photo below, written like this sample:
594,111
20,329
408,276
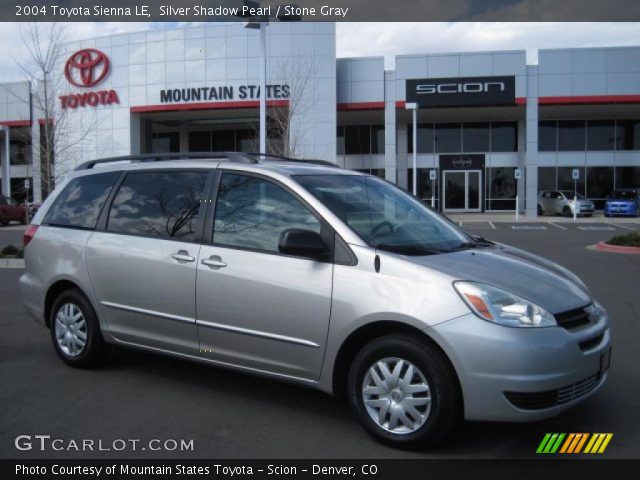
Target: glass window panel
377,139
504,136
158,204
448,137
200,141
357,140
425,138
571,135
547,136
222,140
475,137
165,142
340,141
601,135
546,178
566,182
628,134
246,141
253,213
81,201
627,177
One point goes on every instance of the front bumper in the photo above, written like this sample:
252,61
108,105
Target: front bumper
583,209
523,374
621,209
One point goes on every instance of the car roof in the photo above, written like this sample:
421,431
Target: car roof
247,162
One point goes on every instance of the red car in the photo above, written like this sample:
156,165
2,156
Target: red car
11,210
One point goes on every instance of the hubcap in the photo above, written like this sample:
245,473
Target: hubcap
70,329
396,395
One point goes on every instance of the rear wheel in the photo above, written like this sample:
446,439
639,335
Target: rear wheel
75,331
566,211
4,221
403,392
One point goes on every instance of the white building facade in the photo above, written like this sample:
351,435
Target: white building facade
489,126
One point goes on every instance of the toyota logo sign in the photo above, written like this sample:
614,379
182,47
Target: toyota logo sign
86,68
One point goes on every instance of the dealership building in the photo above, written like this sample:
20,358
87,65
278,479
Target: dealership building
490,127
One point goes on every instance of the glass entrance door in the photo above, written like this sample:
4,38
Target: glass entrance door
462,190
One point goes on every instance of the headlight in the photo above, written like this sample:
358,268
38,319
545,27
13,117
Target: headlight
498,306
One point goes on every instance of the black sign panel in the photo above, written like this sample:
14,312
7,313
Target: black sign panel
462,161
461,92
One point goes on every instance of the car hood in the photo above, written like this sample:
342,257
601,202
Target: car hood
524,274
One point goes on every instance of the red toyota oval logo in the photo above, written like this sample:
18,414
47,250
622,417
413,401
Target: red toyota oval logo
86,67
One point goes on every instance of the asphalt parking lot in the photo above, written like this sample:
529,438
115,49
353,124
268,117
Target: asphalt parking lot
230,415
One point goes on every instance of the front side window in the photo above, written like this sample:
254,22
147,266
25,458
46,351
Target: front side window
384,216
252,213
80,203
158,204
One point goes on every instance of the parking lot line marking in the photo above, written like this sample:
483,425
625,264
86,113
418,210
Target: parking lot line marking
595,228
559,226
492,225
621,226
528,227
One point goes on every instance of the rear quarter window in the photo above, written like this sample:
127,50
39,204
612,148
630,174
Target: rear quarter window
80,202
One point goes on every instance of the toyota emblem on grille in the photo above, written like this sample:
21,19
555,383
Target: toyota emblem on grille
86,68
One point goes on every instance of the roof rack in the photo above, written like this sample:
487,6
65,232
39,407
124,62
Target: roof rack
161,157
271,156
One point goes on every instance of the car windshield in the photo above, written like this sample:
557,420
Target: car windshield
384,216
569,194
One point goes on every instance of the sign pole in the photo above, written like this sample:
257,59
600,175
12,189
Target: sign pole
575,199
415,150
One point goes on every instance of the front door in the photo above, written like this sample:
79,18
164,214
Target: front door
462,190
257,308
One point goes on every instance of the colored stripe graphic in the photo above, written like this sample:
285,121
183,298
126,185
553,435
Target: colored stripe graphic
550,443
573,443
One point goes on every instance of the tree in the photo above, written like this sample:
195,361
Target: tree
287,126
43,65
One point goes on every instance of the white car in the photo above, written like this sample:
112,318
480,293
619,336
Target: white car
561,202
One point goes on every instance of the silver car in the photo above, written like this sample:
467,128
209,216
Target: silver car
317,275
562,202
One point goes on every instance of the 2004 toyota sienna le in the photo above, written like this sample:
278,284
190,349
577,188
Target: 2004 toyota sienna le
317,275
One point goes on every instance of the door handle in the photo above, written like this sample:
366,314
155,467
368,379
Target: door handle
214,261
183,256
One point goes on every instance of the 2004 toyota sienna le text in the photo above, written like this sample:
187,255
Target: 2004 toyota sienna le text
317,275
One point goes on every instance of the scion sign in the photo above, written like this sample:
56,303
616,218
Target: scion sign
469,91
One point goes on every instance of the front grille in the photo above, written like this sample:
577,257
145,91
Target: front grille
552,398
572,319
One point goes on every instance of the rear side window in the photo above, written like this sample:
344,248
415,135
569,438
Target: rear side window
158,204
80,203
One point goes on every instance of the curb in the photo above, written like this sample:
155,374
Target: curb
11,262
605,247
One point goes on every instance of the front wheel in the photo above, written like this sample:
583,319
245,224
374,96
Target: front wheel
566,211
404,392
75,331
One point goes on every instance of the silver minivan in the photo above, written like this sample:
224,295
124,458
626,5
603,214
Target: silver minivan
317,275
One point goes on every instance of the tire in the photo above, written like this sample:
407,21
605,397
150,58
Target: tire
566,211
4,221
64,330
540,210
440,407
23,221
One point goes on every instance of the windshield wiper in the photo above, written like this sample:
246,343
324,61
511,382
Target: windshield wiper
476,243
411,249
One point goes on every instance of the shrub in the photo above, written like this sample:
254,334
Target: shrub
628,240
11,251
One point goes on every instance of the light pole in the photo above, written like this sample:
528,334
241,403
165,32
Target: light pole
260,23
414,107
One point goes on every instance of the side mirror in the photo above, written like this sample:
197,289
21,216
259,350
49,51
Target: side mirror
302,243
